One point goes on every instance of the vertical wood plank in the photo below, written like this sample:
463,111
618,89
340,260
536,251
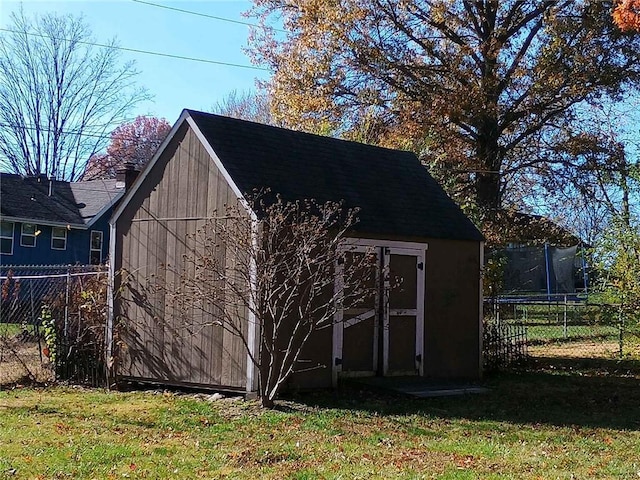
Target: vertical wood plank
182,348
216,344
163,198
227,337
155,330
171,334
201,174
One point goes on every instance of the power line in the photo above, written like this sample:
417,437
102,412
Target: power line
63,132
135,50
205,15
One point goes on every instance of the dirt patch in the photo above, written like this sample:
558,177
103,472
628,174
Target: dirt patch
20,363
586,349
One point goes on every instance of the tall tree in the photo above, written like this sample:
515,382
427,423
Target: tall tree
252,106
627,15
603,182
59,95
484,90
131,143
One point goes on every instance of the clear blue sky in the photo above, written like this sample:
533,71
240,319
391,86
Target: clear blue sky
175,84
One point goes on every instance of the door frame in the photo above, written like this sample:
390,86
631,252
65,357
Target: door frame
338,317
420,254
384,250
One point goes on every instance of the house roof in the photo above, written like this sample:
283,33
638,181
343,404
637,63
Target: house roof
510,226
77,204
393,190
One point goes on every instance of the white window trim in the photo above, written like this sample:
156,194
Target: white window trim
12,238
58,238
91,249
22,234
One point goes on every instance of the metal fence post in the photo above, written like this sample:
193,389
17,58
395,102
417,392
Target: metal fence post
564,325
620,331
66,305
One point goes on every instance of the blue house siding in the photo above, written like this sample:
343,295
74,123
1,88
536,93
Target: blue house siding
77,248
77,208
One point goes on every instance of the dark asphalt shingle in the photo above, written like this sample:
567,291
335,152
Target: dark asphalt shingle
394,191
74,203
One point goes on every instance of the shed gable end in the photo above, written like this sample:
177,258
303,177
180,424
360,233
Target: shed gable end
157,228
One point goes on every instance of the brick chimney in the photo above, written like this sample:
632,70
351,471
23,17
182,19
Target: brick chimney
126,175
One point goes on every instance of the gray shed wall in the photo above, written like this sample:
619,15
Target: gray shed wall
152,231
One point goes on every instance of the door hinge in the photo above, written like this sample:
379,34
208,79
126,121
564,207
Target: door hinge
419,358
420,266
338,361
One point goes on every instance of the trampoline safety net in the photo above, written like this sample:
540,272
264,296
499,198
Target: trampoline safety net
543,269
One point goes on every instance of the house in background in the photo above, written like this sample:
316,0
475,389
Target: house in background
51,222
431,327
517,229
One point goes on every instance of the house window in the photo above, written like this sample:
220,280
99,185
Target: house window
28,235
95,256
6,238
58,238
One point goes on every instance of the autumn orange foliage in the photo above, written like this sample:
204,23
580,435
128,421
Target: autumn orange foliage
134,142
626,15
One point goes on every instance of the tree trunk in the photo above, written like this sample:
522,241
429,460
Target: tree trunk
268,371
488,178
488,196
263,372
267,402
488,151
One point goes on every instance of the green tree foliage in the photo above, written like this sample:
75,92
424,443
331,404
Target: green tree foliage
619,266
484,90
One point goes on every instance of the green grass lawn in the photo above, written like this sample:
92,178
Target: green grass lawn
548,325
545,424
540,333
8,330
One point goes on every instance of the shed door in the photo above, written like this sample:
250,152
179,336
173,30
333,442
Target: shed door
360,326
390,321
403,316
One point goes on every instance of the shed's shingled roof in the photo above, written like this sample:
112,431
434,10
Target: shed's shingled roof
395,193
70,203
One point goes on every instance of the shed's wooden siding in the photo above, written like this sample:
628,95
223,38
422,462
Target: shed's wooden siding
452,330
152,231
452,327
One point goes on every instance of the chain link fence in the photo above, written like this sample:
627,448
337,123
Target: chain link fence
52,321
564,326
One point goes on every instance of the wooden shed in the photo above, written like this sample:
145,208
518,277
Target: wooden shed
431,327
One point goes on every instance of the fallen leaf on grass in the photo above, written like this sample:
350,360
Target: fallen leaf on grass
464,461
